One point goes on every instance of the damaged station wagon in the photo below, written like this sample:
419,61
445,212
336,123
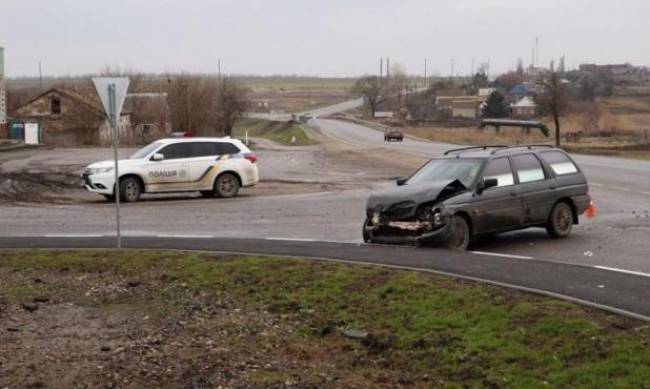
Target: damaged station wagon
480,190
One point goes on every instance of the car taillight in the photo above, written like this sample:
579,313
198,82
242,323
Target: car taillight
251,157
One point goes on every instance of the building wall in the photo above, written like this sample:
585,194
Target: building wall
3,92
466,113
3,103
77,124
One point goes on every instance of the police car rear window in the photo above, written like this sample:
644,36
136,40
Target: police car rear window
559,162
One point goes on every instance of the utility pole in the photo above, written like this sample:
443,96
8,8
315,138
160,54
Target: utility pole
387,68
425,73
381,68
452,68
40,76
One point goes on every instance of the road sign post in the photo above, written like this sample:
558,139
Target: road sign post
112,93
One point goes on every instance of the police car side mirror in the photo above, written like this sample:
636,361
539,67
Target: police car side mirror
401,181
157,157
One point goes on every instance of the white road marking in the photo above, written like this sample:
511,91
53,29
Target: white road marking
512,256
637,273
292,239
189,236
74,235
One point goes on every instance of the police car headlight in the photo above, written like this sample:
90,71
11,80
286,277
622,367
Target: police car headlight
100,170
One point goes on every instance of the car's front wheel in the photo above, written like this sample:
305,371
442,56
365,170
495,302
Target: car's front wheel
130,189
364,233
560,221
461,234
226,186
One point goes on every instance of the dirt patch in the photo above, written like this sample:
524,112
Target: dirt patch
38,187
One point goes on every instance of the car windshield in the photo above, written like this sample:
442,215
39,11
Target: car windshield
464,170
146,150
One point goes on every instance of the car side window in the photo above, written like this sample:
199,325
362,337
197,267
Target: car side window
203,149
559,162
177,151
500,169
529,168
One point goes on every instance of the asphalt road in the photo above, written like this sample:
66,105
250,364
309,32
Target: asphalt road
614,291
618,237
605,260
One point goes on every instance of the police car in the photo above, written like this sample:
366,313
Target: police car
211,166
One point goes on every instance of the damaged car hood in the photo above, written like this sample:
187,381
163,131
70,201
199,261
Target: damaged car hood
417,193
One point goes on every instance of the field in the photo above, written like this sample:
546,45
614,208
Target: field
132,319
296,94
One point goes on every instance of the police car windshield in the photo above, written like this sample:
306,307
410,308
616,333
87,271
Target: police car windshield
464,170
146,150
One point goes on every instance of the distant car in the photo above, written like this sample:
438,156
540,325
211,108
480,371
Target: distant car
480,190
393,134
212,166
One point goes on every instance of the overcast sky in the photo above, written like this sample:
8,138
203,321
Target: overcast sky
315,37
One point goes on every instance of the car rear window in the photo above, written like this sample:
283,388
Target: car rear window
501,170
209,149
226,148
559,162
529,168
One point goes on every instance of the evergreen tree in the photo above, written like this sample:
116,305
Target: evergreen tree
496,106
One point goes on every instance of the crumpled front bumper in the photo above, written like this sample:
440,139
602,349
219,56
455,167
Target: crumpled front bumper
377,234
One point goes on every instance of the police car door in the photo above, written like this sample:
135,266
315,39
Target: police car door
172,173
204,165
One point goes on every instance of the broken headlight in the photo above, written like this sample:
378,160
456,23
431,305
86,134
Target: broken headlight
430,214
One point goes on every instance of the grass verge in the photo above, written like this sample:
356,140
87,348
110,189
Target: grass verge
279,132
198,320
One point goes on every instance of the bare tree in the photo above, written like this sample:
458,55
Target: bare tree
370,88
555,100
231,102
191,103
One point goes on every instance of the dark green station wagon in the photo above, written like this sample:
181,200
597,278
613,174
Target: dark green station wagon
480,190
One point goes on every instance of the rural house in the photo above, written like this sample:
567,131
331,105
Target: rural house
524,108
67,118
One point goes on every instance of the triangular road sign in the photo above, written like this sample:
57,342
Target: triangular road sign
121,88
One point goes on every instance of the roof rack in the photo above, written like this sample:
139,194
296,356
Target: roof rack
529,147
475,148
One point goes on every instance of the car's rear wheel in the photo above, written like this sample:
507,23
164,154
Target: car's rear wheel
461,234
560,221
226,185
130,189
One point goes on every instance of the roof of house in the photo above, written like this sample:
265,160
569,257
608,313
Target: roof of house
525,102
90,103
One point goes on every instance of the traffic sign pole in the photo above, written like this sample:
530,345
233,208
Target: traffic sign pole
112,93
116,191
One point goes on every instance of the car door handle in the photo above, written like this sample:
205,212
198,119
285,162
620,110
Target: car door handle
553,187
514,194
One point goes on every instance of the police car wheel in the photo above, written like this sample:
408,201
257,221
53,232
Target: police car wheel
130,190
226,186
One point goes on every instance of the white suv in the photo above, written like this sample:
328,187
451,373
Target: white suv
212,166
